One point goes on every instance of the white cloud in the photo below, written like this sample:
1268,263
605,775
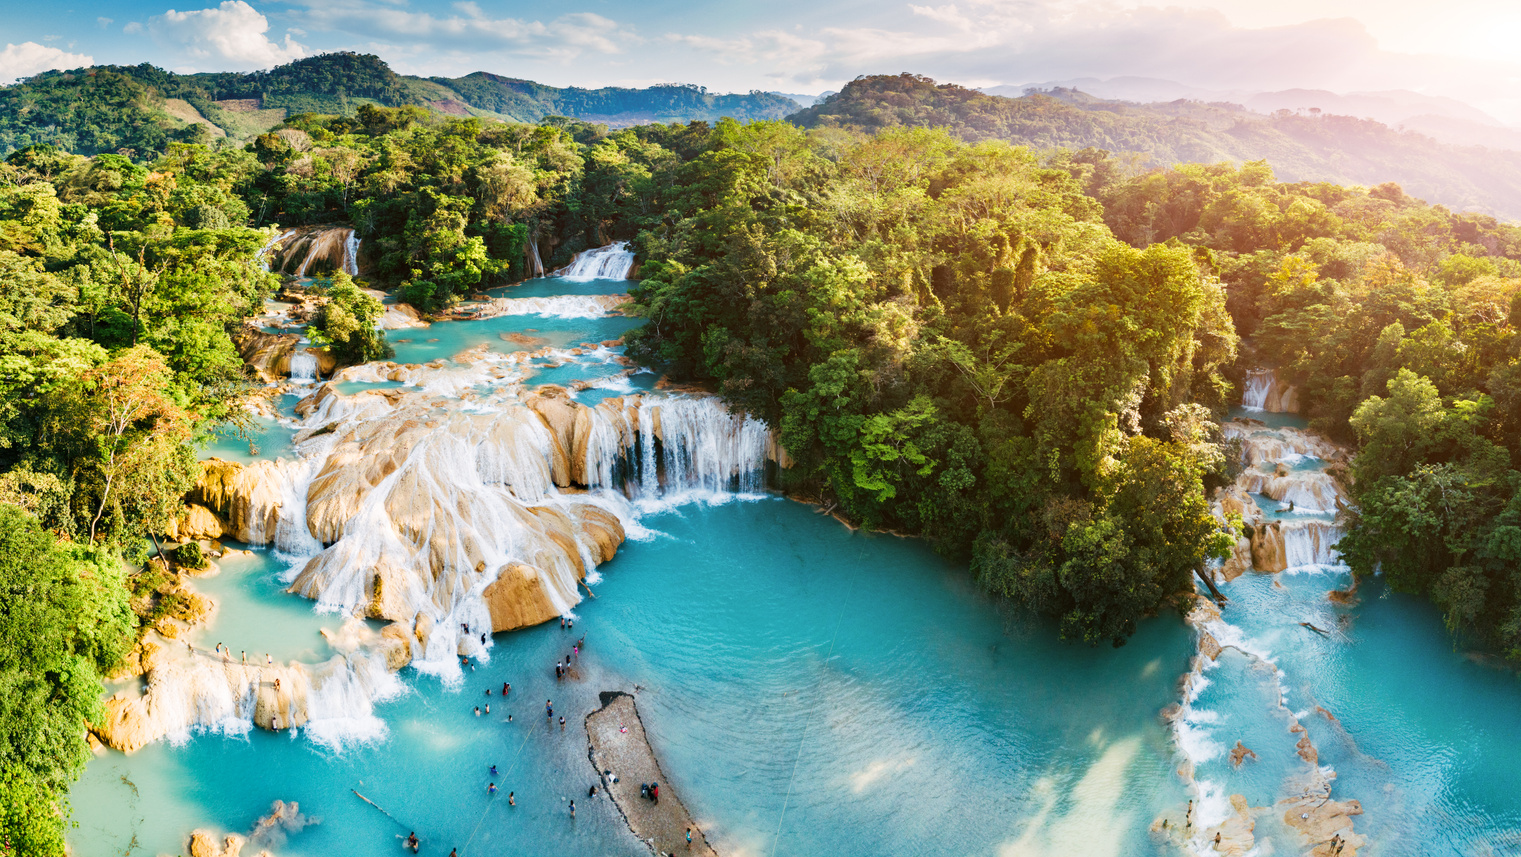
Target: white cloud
471,28
104,22
29,58
233,34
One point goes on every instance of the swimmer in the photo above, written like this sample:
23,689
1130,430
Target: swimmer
510,801
572,809
491,788
412,841
493,770
488,708
562,723
488,691
477,711
549,709
592,792
506,688
483,639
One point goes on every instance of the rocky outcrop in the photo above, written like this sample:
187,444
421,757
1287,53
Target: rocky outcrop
203,843
516,599
400,316
314,251
268,354
246,500
196,523
1269,554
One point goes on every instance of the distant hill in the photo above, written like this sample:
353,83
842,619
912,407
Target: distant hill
1446,119
141,109
1300,146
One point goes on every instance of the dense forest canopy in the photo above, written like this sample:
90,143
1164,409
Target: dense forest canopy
1021,356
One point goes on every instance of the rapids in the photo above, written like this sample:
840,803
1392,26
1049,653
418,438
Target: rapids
809,689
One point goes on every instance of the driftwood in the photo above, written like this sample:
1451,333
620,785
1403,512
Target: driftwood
1219,597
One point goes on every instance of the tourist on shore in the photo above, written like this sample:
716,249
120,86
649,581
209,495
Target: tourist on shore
689,838
655,792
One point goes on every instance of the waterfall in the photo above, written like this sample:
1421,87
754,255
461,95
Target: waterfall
1309,543
351,254
262,257
535,264
303,367
612,262
1259,382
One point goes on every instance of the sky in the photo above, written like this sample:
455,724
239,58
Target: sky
1466,49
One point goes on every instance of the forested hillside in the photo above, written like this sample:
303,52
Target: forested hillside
140,110
1300,147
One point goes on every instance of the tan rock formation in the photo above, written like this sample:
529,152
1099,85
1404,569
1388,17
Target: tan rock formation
204,844
246,499
516,599
400,316
1269,555
196,522
268,353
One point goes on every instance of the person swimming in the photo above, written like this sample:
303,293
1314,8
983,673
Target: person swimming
493,770
412,841
491,788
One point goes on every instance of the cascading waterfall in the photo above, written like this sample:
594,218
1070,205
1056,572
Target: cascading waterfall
262,257
303,367
612,262
351,254
1259,382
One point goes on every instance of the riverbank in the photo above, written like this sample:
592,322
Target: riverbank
621,754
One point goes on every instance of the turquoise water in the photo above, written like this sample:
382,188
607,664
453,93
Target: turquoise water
444,340
778,651
263,438
812,690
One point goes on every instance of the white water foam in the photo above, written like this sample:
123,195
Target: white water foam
612,262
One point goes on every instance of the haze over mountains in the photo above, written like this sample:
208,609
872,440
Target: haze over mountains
1306,135
1446,119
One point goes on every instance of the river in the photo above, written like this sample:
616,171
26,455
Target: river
814,690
